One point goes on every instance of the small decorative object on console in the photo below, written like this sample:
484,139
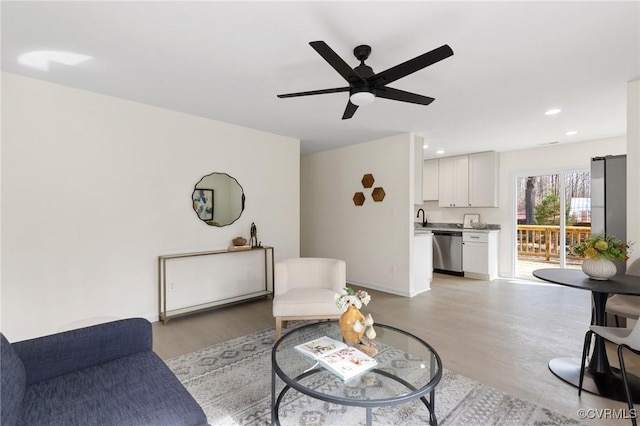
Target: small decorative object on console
239,244
254,237
239,241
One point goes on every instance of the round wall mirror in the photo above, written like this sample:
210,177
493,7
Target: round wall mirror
218,199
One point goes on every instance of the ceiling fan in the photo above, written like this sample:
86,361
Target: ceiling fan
365,85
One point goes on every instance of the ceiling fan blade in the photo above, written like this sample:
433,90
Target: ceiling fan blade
349,111
411,66
401,95
314,92
336,62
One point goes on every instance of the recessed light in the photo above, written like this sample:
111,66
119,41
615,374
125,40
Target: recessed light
425,146
571,133
552,111
440,151
40,59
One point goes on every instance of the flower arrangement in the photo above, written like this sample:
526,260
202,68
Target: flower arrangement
602,246
348,296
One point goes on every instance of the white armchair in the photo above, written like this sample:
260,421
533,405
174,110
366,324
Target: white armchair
305,289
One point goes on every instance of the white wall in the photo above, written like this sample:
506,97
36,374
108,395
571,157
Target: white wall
94,188
374,239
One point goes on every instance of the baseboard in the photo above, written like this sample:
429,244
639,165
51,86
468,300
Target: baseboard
476,276
380,288
424,290
153,318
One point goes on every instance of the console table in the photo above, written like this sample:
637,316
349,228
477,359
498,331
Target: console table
165,315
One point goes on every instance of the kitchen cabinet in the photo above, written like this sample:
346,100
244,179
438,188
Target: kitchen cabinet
468,180
430,179
453,181
483,179
480,255
422,263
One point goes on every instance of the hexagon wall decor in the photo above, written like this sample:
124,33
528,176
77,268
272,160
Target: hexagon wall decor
378,194
358,198
367,180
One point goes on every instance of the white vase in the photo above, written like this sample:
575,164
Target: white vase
599,269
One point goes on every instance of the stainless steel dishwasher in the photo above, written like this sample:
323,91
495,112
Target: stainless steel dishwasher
447,252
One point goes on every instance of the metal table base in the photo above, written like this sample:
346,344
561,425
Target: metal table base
275,403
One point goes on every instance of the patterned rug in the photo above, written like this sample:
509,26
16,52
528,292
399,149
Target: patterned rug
232,383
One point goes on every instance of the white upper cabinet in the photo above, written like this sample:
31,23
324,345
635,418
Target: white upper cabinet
453,181
468,180
483,179
430,180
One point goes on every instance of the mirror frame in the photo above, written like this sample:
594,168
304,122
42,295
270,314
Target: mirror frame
211,222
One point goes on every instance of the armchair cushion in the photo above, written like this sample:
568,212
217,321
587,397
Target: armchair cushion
306,302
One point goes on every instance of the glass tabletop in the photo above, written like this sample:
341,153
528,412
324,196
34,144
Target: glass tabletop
408,368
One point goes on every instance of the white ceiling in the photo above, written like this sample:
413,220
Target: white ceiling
228,60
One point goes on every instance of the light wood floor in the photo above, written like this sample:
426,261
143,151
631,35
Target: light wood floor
500,333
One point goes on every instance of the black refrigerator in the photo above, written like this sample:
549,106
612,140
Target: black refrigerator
609,199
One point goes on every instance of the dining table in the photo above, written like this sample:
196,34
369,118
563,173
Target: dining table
600,377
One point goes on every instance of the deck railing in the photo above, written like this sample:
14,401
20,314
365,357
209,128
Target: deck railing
544,240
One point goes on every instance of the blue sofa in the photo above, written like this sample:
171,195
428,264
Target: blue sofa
106,374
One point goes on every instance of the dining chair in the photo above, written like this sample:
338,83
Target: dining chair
305,288
624,338
621,305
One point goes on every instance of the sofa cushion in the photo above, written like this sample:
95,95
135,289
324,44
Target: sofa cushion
135,390
12,384
57,354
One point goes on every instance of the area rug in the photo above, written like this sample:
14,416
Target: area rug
232,383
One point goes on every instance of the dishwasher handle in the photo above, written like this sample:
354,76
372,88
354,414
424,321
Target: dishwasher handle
449,233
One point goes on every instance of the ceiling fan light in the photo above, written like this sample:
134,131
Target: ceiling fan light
362,98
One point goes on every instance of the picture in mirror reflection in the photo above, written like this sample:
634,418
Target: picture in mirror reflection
218,199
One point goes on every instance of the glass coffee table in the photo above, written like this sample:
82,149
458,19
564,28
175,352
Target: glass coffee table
408,369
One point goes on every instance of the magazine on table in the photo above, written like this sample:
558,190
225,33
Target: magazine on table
344,361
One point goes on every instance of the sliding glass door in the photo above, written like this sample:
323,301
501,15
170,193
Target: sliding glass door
553,212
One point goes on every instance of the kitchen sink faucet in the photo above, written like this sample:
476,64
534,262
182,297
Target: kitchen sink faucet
424,217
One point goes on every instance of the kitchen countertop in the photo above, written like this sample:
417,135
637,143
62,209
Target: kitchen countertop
420,230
